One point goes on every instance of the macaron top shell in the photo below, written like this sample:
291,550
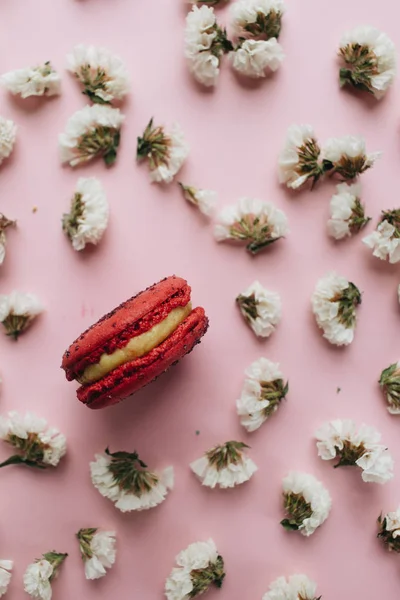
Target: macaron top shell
122,317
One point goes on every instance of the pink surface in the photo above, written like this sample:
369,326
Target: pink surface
235,134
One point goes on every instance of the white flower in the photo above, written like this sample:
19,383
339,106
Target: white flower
102,74
205,43
257,18
8,134
307,503
41,80
355,447
199,566
90,132
334,304
179,584
97,551
347,156
17,311
253,221
40,574
146,489
385,240
390,385
224,466
88,219
37,580
261,308
296,587
389,530
254,57
37,444
165,151
5,575
4,224
299,160
205,200
347,212
370,58
262,392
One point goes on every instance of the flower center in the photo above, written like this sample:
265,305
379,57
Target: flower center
297,509
222,456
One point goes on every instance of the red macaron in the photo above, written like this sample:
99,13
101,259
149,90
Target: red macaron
135,343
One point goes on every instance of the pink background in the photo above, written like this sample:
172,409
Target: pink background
235,133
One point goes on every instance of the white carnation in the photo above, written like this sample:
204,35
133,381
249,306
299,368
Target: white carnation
296,587
164,151
205,200
390,385
37,580
102,74
385,240
88,219
355,447
6,567
97,551
299,160
4,225
205,43
347,212
41,80
246,14
254,57
261,308
372,69
253,221
90,132
199,566
262,392
389,530
8,134
224,466
347,156
17,311
315,496
334,304
137,497
33,439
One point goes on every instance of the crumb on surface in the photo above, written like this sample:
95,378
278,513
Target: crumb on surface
34,209
338,390
197,432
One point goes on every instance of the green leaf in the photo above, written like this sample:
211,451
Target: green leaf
110,157
289,525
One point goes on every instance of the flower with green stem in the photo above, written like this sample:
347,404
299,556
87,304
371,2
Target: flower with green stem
385,240
199,567
94,131
389,382
256,223
97,551
334,304
341,440
224,466
262,393
389,530
369,57
125,479
40,575
17,311
306,501
36,444
4,225
165,152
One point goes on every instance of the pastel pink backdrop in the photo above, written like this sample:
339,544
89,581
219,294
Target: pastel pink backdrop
235,133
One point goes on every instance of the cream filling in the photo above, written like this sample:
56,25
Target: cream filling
137,346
